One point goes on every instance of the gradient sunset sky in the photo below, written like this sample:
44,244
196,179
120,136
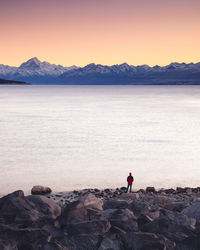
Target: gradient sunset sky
78,32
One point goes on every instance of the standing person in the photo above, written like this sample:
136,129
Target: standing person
130,180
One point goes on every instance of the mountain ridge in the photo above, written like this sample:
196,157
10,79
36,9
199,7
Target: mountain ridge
35,71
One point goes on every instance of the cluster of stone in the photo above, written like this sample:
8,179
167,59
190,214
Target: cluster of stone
101,219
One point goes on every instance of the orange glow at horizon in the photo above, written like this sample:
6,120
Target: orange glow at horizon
79,32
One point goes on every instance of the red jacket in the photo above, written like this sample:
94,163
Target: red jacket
130,179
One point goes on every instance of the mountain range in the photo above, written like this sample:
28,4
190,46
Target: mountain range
36,72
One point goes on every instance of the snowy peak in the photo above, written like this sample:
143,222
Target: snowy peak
35,67
31,64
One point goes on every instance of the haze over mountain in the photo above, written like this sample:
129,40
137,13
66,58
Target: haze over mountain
37,72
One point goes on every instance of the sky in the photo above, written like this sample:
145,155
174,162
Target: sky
79,32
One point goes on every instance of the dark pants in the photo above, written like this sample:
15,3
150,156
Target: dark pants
129,185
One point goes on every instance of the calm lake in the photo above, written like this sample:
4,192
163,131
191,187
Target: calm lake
74,137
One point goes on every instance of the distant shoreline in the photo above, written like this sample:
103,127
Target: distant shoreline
11,82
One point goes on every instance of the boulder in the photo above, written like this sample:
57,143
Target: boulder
40,190
74,211
8,244
143,219
161,199
30,211
25,238
138,208
54,246
163,225
96,227
15,208
195,190
110,241
176,236
81,241
154,214
170,191
121,218
188,190
180,190
193,211
78,210
115,204
178,218
91,201
176,206
141,191
94,214
151,189
189,243
130,196
45,206
123,189
141,240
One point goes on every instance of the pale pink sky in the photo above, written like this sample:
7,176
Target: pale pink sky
102,31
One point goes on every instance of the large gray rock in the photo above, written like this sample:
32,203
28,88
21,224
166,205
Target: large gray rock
151,189
143,241
189,243
45,206
178,218
110,242
15,208
176,206
54,246
81,241
31,211
73,212
78,210
121,218
40,190
91,201
130,196
154,214
170,222
115,204
6,244
25,238
143,219
177,236
138,208
163,225
193,211
89,227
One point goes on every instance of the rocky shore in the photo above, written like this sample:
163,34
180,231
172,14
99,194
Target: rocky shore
101,219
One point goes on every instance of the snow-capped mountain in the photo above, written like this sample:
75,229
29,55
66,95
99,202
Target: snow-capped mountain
35,71
33,68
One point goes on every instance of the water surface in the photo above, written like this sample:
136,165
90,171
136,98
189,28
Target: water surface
73,137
